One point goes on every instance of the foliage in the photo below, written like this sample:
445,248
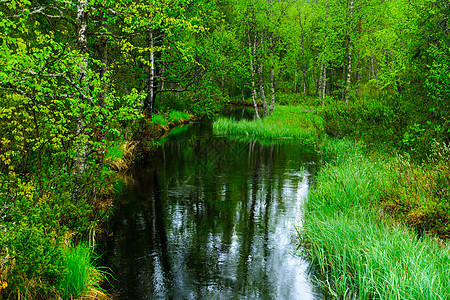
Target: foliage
372,121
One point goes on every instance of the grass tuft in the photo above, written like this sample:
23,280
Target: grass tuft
160,120
81,277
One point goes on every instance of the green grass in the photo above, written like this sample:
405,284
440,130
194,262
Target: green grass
295,123
174,116
81,276
178,116
114,151
357,246
160,120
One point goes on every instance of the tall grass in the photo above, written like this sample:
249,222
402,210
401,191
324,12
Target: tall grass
359,255
297,123
173,116
81,277
358,248
178,116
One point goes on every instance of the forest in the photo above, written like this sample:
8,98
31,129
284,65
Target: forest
87,86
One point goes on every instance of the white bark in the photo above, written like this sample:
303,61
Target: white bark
262,93
304,65
252,72
81,22
272,87
151,79
324,61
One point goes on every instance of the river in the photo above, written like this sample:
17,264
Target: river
211,218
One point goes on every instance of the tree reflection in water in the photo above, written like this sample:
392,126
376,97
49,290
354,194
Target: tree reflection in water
209,218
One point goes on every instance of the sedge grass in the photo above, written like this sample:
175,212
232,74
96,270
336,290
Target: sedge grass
357,249
295,123
81,277
176,116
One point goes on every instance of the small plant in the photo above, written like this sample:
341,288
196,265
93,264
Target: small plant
80,277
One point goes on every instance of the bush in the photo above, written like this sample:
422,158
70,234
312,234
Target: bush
373,121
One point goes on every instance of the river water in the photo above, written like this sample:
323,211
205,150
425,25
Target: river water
211,218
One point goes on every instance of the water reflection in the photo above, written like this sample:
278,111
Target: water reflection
213,219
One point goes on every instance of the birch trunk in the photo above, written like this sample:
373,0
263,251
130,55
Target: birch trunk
262,93
349,74
324,59
324,85
103,49
358,75
272,87
252,72
150,99
272,77
82,149
295,80
304,64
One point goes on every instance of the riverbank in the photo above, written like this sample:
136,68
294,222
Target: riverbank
52,210
364,217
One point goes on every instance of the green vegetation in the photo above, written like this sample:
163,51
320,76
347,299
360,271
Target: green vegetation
81,277
84,85
358,245
298,122
173,117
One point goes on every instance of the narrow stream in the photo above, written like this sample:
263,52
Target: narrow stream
210,218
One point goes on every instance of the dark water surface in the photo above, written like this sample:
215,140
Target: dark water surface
209,218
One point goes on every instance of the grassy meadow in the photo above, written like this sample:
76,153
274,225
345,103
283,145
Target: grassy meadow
375,224
297,123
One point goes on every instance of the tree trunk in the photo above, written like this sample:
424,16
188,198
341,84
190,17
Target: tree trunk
358,75
252,72
81,22
324,59
349,73
304,63
151,91
272,87
295,80
262,93
272,76
324,85
103,51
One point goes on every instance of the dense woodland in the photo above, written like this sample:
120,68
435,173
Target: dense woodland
78,76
